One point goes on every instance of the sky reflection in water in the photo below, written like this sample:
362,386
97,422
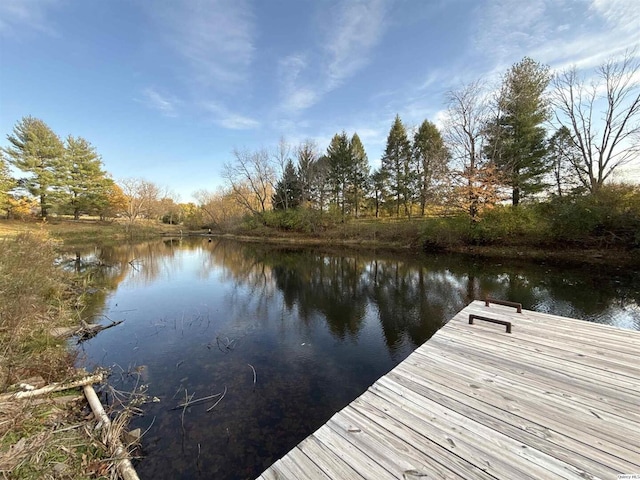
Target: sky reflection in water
317,328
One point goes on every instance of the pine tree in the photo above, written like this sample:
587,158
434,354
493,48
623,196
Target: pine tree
379,182
340,160
359,173
431,158
320,186
87,183
35,149
288,193
396,163
307,157
516,142
6,184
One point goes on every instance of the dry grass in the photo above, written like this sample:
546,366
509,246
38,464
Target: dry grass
43,437
85,230
49,439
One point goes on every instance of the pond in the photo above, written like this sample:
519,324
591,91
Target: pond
286,337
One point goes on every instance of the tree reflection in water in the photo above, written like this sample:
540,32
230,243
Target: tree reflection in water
319,327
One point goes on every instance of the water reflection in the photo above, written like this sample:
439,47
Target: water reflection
318,328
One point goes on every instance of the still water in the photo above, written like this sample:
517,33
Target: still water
286,337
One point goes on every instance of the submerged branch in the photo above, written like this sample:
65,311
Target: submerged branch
219,400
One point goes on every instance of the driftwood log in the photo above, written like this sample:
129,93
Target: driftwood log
54,387
122,461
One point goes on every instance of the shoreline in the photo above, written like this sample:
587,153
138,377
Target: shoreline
575,256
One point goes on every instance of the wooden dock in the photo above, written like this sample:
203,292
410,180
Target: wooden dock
555,398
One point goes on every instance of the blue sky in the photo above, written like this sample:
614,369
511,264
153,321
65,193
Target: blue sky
166,89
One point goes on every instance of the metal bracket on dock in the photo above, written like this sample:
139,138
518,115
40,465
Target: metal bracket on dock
517,306
492,320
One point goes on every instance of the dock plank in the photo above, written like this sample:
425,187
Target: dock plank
557,398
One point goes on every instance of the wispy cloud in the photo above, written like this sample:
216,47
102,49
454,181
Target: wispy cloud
356,27
214,37
353,29
296,95
556,32
18,15
228,119
163,103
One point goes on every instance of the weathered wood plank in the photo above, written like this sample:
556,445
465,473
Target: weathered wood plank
558,381
405,456
508,392
330,463
558,398
524,430
545,360
587,355
350,454
493,442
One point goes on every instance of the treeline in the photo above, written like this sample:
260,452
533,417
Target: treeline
67,177
533,137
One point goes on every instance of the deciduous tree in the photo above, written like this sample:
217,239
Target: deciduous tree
564,156
251,176
141,197
475,178
604,145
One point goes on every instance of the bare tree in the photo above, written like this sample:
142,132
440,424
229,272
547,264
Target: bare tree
251,177
219,207
281,156
141,198
603,146
468,111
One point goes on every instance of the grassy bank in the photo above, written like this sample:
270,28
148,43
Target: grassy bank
45,437
603,228
87,231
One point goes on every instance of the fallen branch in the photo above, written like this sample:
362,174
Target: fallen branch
54,387
123,464
84,331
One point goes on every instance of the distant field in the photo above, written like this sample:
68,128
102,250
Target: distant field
85,230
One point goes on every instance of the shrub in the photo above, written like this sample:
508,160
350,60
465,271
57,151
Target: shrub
609,217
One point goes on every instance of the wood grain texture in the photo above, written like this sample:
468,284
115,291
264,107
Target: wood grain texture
557,398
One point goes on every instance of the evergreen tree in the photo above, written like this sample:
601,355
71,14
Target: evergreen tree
396,163
359,173
87,183
320,186
340,160
6,184
431,158
516,142
307,157
288,193
379,192
35,149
